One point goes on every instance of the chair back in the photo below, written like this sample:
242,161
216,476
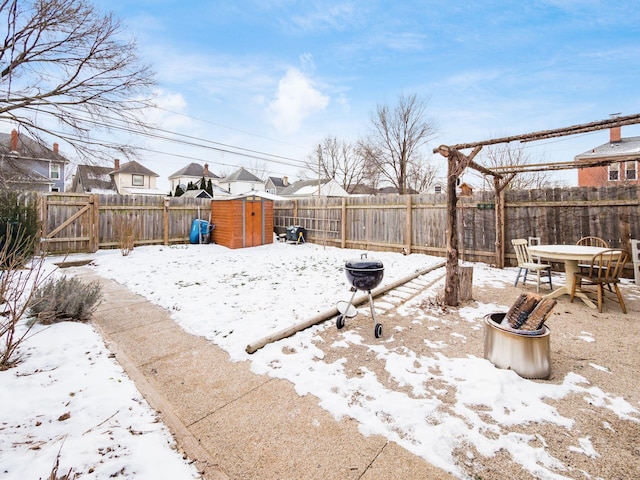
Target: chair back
607,266
522,252
593,242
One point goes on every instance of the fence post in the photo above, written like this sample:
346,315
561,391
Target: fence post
343,224
94,223
165,221
408,227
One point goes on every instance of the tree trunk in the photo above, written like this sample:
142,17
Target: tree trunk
452,285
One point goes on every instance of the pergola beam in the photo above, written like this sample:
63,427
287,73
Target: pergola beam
560,132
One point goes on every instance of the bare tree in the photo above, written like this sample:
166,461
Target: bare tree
65,72
420,176
259,169
397,135
339,160
509,155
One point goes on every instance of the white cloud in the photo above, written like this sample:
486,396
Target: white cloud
297,98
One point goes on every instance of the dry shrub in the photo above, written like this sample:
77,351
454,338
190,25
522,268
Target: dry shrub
19,276
126,232
64,300
434,303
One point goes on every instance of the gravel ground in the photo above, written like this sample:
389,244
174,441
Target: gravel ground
602,347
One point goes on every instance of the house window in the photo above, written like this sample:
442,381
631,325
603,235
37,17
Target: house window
631,171
438,189
614,172
55,189
137,180
54,171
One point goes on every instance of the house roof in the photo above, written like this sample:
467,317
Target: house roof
29,148
304,187
193,170
196,194
328,187
13,171
136,168
625,147
94,179
277,182
241,175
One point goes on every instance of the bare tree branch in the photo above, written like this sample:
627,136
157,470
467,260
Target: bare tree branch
338,160
396,139
64,65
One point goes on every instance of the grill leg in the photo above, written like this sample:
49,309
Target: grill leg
373,313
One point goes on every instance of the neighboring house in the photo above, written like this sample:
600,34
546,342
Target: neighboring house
328,187
194,172
130,178
624,152
275,185
93,179
242,181
28,165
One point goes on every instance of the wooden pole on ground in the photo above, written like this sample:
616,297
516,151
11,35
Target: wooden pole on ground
332,312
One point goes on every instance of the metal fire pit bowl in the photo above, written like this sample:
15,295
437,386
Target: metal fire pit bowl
524,352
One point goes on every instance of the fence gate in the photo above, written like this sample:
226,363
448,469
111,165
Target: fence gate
71,226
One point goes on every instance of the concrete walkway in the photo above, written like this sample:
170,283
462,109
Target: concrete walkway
233,423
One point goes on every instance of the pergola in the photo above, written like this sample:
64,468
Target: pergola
457,162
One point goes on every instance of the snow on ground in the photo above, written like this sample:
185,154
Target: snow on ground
234,298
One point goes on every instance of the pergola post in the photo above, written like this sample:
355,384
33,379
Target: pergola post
456,164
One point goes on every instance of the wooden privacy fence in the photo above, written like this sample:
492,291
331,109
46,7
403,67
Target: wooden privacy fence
416,223
74,223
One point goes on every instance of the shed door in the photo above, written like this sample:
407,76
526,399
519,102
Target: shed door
253,223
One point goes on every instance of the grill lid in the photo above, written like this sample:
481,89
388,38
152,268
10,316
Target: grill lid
364,264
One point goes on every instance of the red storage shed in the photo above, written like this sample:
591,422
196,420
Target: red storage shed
242,221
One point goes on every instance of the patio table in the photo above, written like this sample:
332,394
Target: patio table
571,255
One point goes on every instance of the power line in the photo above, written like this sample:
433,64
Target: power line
184,139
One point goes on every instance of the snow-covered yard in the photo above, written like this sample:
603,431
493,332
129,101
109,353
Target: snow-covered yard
70,396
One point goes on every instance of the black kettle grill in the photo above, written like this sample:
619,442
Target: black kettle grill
363,274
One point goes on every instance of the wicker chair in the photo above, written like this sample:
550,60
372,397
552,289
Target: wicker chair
526,263
605,269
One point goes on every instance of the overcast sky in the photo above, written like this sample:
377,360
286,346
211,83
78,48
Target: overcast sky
278,76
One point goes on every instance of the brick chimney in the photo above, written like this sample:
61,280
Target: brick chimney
116,164
206,170
55,148
285,181
14,140
615,135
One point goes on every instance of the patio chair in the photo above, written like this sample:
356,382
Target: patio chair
526,263
592,242
635,257
604,269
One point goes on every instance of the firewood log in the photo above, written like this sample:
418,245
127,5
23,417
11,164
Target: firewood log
536,319
521,309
